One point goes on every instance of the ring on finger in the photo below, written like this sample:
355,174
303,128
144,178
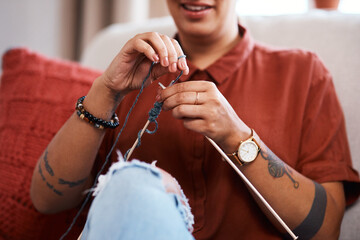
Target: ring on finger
182,56
196,99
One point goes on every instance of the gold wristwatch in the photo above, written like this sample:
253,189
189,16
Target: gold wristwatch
247,151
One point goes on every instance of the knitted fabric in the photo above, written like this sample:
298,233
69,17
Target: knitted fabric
37,95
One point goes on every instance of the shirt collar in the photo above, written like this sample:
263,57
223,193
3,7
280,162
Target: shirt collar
222,68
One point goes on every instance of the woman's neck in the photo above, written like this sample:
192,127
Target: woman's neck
203,51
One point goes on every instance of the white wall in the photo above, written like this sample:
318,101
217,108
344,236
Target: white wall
47,26
36,24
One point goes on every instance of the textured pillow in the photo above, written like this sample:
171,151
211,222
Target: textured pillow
37,95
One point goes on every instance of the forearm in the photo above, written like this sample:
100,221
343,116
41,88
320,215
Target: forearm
299,201
63,171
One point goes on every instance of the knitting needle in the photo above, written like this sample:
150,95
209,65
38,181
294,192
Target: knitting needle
243,177
267,205
137,140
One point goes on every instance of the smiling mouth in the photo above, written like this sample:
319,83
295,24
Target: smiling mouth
194,8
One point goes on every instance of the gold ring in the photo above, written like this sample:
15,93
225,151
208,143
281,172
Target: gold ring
196,99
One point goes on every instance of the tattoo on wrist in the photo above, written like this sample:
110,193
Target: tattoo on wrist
117,97
276,167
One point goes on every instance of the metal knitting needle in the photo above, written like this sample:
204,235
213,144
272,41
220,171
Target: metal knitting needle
251,186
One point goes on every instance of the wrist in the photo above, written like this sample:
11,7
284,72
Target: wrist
96,122
113,95
247,150
102,101
233,141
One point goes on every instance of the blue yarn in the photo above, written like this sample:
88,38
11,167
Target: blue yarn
152,117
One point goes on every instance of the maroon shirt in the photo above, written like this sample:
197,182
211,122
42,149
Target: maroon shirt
287,96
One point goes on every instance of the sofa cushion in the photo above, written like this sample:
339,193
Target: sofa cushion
37,95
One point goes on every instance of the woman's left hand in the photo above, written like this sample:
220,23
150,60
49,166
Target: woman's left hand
204,109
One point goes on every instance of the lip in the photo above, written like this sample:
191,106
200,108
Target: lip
187,9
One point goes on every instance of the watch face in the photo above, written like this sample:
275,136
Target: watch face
248,151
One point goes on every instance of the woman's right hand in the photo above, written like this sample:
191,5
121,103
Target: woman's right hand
129,68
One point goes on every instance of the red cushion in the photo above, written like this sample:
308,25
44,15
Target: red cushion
37,95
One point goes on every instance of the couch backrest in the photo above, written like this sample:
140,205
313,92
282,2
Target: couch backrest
335,37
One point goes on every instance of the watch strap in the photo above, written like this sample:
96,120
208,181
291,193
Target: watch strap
234,157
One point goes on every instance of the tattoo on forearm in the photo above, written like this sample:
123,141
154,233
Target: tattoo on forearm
71,183
51,173
47,165
276,167
314,220
47,183
55,190
41,173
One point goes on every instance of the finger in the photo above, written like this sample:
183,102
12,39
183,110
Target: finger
193,86
142,46
186,98
159,46
189,111
152,46
172,54
181,63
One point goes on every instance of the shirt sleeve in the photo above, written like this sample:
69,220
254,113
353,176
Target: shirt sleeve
324,151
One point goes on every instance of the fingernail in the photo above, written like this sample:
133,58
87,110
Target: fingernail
157,98
182,65
174,66
165,62
155,57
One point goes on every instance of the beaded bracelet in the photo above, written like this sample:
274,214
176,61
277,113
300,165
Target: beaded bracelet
97,122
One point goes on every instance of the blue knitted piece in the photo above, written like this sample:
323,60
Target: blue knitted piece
154,112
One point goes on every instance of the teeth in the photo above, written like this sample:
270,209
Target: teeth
195,8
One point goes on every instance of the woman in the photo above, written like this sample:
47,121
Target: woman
232,85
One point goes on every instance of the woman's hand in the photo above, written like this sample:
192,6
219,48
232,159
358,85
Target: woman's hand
129,68
204,109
